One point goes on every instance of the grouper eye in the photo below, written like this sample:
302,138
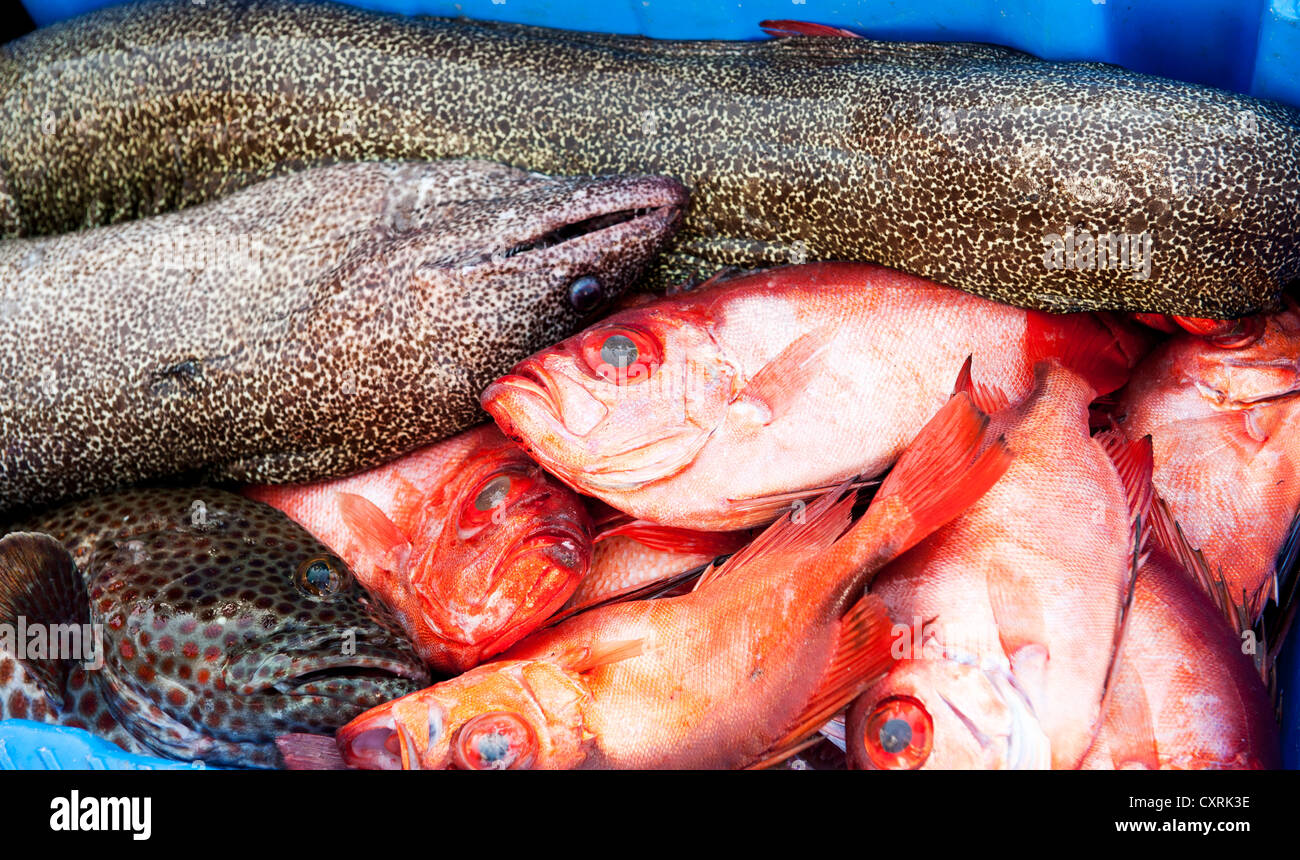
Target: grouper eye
585,294
322,576
498,740
899,734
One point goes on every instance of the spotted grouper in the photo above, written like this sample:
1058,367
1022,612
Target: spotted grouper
309,326
1057,186
189,623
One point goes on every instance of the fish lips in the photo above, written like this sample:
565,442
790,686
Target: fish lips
343,671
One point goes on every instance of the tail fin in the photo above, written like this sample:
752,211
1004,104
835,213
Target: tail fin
935,480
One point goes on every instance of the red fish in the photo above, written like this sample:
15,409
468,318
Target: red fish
470,543
717,408
1014,605
741,670
1225,426
1185,695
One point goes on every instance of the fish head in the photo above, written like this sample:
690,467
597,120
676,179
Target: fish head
502,550
1266,370
940,712
490,238
508,715
630,400
223,631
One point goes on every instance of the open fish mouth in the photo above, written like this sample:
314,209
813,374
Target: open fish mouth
606,219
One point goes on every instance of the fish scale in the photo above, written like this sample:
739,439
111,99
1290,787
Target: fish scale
211,646
955,162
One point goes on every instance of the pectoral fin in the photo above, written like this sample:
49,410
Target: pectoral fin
40,585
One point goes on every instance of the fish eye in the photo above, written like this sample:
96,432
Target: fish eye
498,740
621,354
619,351
494,492
322,577
585,294
899,734
491,496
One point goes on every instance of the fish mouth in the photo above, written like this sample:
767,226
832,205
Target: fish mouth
657,206
350,671
527,379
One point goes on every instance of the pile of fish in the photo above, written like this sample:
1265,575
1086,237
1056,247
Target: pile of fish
334,434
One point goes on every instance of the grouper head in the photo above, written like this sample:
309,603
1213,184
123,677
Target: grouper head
223,623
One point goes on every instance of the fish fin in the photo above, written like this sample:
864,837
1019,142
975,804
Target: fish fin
1082,343
1109,681
1022,630
781,381
409,506
792,502
668,586
672,539
935,479
40,581
380,538
1130,736
987,398
862,656
1225,334
584,658
301,751
786,28
1159,322
1134,463
604,515
1170,536
798,534
1279,616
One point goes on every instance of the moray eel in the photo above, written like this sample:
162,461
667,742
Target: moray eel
1057,186
189,623
309,326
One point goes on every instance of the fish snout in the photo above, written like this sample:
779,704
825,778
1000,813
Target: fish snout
397,735
538,391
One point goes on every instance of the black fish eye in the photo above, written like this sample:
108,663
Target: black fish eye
895,735
619,350
585,293
493,494
322,577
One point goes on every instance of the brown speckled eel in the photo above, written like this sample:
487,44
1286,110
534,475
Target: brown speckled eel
961,163
312,325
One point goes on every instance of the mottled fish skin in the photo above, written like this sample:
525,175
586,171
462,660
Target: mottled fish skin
950,161
208,630
310,326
